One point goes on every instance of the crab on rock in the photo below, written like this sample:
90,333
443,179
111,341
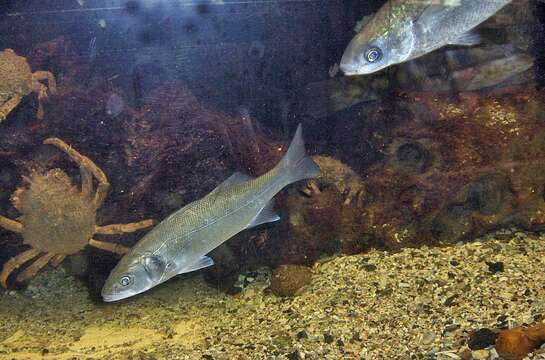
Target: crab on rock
17,81
58,218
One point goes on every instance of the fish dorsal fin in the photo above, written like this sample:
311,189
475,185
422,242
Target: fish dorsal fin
235,179
202,263
264,216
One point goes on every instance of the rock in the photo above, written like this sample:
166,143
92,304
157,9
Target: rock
481,339
293,355
465,354
286,280
460,154
480,354
516,343
369,267
428,338
495,267
328,338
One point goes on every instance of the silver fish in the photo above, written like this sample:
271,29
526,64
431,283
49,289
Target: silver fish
179,244
403,30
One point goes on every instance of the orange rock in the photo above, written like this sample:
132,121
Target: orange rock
516,343
287,279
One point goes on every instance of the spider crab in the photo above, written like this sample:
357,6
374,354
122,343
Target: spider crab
58,218
17,81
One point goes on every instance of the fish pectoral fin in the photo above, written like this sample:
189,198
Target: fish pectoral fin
469,38
202,263
264,216
235,179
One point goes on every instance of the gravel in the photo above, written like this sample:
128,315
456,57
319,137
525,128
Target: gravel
413,304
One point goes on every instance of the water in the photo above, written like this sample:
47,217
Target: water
420,239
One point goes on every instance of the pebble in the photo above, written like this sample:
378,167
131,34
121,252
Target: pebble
481,354
428,338
481,339
328,338
495,267
465,354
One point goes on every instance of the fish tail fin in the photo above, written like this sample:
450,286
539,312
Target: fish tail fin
296,162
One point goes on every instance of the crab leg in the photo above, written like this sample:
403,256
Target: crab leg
57,260
10,225
42,95
84,161
86,181
111,247
123,228
9,105
46,75
33,268
14,263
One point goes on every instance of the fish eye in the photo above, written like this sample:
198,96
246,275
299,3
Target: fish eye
125,280
373,54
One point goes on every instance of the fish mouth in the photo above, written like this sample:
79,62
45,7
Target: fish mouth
349,70
109,298
112,296
348,67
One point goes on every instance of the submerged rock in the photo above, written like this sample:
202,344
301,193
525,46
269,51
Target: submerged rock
287,280
481,339
516,343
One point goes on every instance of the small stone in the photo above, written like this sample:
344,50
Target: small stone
428,338
328,338
481,354
293,355
465,354
451,327
369,267
481,339
495,267
450,300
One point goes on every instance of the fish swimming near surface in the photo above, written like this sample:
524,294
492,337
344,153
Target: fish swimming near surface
403,30
179,244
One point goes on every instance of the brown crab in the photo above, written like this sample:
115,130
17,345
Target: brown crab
58,218
334,172
17,81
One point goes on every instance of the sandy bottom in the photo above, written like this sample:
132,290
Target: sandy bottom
415,304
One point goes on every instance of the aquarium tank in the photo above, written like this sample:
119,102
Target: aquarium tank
272,179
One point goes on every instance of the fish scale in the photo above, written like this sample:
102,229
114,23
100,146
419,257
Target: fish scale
182,226
446,25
